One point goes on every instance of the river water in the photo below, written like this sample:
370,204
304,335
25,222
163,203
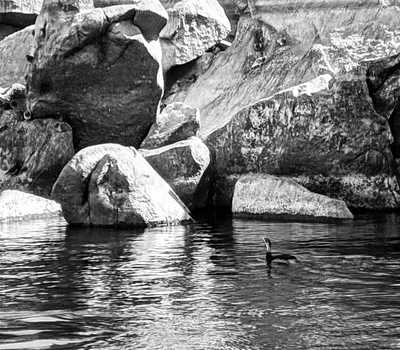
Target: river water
203,286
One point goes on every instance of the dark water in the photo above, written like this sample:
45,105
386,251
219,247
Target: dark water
203,286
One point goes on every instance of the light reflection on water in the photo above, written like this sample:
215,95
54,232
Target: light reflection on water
203,286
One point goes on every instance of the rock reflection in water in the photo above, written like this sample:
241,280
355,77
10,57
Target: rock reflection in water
203,286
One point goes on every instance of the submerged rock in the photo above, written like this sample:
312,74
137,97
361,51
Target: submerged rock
177,122
185,165
17,205
32,154
13,52
99,68
269,196
193,28
114,185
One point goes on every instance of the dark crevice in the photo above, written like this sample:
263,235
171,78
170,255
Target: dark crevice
394,123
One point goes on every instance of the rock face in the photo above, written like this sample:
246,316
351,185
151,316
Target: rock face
193,27
268,196
13,51
98,68
308,92
185,165
177,122
19,13
113,185
32,154
17,205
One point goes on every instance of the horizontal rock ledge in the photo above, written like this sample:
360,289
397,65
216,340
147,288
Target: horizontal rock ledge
267,197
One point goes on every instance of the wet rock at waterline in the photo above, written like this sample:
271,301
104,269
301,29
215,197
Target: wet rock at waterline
193,28
185,165
111,184
280,102
176,122
267,196
17,205
100,69
13,52
32,153
379,192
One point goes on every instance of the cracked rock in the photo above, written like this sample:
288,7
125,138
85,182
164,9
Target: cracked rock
98,68
111,184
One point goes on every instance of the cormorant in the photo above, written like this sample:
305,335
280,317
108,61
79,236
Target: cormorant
269,257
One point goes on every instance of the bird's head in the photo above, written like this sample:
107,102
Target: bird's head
267,243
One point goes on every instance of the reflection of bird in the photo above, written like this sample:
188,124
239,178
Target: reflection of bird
269,257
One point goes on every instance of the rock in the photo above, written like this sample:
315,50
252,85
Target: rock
13,98
32,154
193,28
269,196
233,9
287,99
17,205
177,122
19,13
106,81
13,51
185,165
111,184
360,191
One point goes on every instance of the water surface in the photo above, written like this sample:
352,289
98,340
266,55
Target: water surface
203,286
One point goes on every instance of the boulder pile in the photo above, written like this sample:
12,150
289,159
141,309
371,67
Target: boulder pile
136,112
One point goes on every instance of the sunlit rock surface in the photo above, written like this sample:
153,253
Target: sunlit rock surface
311,90
17,205
185,165
176,122
32,154
111,184
99,68
13,51
269,196
193,27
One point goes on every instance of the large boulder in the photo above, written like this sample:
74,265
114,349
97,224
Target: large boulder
19,13
17,205
32,154
314,94
13,52
185,165
99,68
111,184
193,28
267,196
176,122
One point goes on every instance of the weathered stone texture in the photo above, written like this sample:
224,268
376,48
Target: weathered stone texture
99,69
32,154
13,51
185,165
176,122
111,184
267,196
17,205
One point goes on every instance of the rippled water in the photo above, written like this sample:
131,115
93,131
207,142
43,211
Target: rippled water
203,286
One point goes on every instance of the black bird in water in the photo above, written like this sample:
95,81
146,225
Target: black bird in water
269,257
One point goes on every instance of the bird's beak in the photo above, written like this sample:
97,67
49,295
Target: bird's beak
267,245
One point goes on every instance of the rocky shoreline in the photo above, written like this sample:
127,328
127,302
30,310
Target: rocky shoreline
138,113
